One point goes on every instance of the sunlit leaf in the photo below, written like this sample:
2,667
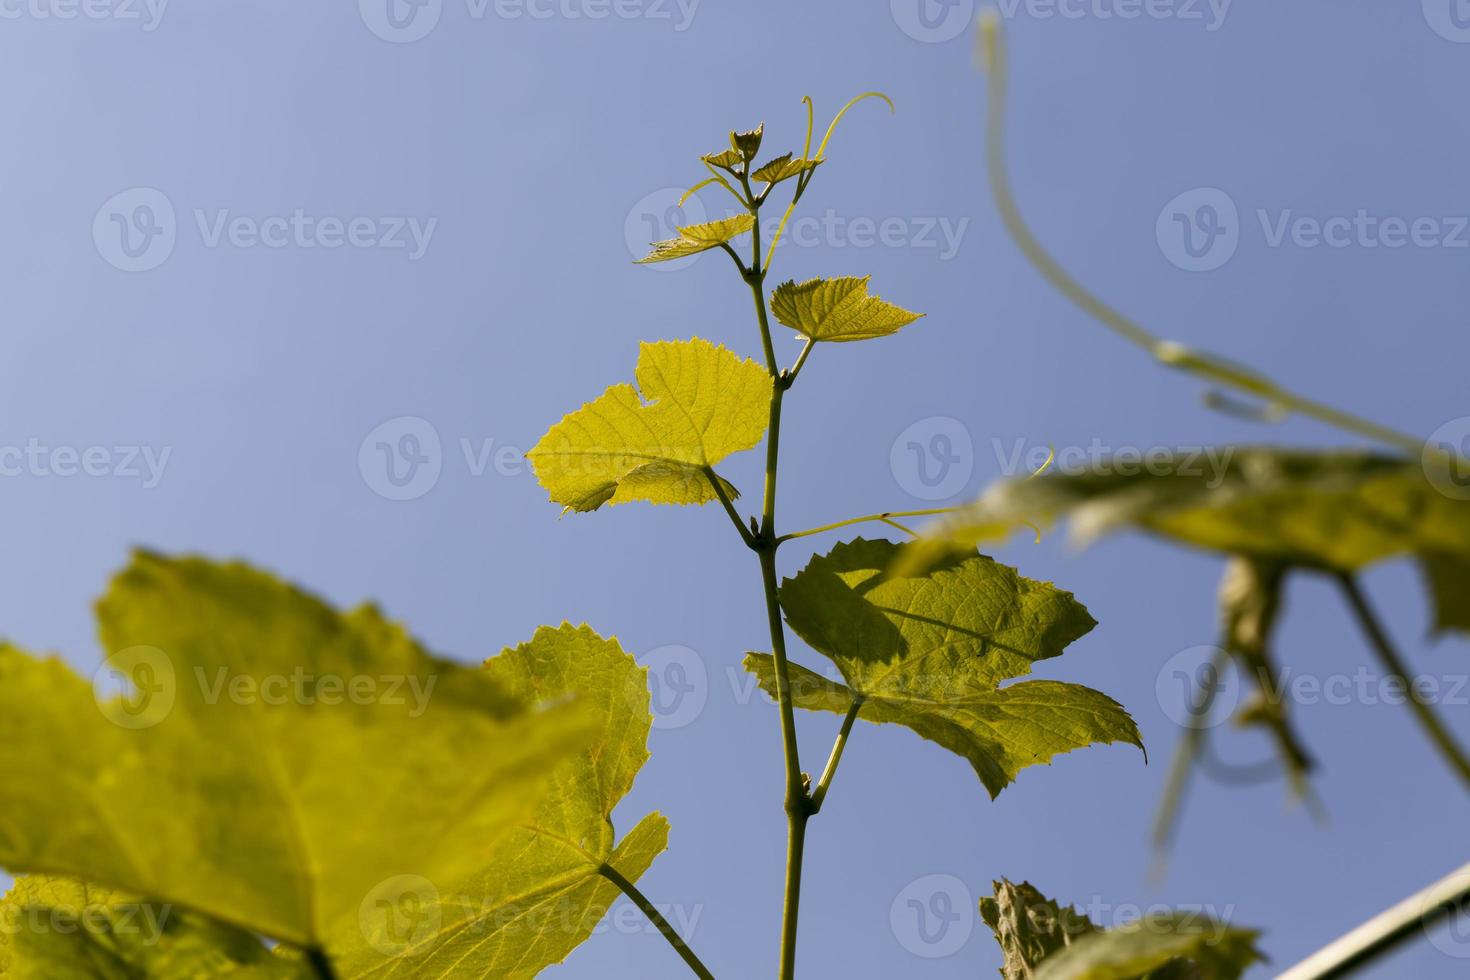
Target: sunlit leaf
837,310
1044,941
698,404
727,159
783,168
539,893
61,929
700,238
930,652
272,760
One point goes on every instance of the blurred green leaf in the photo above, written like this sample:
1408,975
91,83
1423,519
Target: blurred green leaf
273,759
539,893
60,929
1332,510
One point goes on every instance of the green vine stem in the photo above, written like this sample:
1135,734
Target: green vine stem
1170,353
1419,912
1394,664
656,917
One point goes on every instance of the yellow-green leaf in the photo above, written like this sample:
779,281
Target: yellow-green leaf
783,168
837,310
748,144
61,929
699,403
1044,941
539,893
727,159
700,238
270,759
930,653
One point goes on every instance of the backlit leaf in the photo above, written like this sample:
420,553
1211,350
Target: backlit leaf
1044,941
783,168
837,310
699,403
727,159
930,652
270,760
60,929
539,893
700,238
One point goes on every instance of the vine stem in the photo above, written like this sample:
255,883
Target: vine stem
656,917
797,802
820,793
1394,664
1170,353
1421,911
887,517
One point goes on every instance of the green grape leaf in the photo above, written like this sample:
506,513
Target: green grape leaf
699,403
727,159
837,310
930,652
748,144
539,893
62,929
1333,510
694,239
271,759
1044,941
784,168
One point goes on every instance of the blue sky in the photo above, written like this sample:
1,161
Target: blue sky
369,225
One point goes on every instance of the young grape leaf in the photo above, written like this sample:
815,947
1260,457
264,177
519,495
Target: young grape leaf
727,159
61,929
748,144
1043,941
694,239
539,893
783,168
271,759
930,652
1335,510
837,310
699,403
